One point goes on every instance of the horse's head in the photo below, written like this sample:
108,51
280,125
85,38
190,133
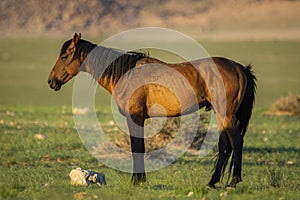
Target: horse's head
67,65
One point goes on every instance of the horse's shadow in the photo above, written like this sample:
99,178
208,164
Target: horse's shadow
161,187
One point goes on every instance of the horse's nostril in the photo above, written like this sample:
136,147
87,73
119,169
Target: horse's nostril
49,81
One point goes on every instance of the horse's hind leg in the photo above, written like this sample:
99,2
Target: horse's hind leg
236,140
223,156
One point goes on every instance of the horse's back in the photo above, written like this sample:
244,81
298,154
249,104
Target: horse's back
181,88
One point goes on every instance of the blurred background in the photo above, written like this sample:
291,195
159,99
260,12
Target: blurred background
235,20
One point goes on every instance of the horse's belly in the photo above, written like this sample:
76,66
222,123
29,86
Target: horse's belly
162,101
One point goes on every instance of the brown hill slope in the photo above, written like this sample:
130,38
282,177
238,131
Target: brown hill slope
262,19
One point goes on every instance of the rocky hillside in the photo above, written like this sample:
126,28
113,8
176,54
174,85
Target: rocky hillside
203,18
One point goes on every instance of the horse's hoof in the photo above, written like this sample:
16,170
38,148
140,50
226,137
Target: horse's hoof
138,178
211,186
233,183
230,187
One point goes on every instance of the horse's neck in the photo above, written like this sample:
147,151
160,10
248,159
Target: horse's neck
106,84
98,61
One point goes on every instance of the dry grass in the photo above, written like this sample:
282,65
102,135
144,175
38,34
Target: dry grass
289,105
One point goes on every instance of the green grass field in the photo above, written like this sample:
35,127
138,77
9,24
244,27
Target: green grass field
38,169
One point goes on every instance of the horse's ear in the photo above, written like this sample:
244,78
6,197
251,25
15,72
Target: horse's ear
76,38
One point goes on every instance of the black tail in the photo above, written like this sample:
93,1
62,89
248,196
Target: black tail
244,112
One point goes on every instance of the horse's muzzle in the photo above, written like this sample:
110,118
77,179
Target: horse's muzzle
54,84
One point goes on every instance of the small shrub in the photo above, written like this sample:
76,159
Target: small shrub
289,105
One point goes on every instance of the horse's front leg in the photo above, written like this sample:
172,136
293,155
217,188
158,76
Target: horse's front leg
136,129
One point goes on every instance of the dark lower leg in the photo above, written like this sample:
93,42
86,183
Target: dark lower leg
237,160
139,174
236,178
224,154
136,129
138,150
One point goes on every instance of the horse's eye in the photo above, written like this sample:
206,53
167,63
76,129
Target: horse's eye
64,58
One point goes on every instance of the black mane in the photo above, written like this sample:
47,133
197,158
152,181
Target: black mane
121,65
105,63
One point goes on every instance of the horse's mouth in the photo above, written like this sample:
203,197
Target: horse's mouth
57,87
55,84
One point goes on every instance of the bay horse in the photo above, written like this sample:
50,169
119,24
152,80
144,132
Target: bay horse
238,83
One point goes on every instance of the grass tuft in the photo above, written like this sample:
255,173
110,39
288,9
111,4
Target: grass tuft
276,177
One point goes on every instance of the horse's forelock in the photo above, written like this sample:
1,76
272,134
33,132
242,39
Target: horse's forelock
65,46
